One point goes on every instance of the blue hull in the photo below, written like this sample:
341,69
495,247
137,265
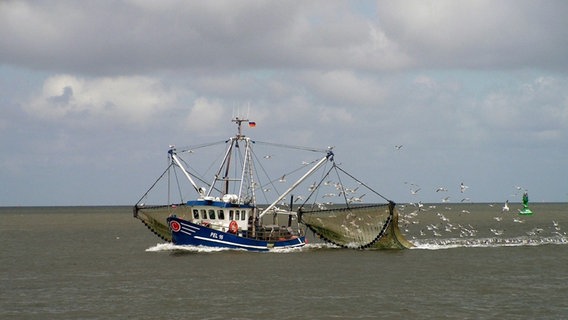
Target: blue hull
188,233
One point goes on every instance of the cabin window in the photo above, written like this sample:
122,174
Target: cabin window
237,215
203,214
221,215
211,214
231,214
195,214
243,215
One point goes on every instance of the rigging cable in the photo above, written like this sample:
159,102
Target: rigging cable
199,146
155,182
179,187
293,147
263,186
366,186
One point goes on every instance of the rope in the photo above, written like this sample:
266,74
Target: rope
363,184
154,184
315,189
199,146
292,147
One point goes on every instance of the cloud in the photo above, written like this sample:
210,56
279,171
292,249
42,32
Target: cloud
117,99
205,116
486,34
532,111
346,88
137,37
466,87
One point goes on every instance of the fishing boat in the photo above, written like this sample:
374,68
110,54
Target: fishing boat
226,212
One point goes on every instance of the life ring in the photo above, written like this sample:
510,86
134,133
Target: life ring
175,226
233,227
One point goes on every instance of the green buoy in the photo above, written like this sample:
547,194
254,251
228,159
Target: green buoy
526,211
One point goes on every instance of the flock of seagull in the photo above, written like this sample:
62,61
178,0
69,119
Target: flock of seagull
441,228
335,190
440,225
444,225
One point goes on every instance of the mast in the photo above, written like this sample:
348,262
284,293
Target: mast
248,172
226,162
224,169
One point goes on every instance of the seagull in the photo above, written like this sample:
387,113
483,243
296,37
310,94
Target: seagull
497,232
268,156
282,179
418,205
415,191
444,189
348,190
356,199
463,187
398,147
312,187
321,206
505,207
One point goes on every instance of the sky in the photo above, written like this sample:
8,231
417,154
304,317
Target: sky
476,92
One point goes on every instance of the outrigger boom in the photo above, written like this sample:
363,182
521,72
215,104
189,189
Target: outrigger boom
173,155
328,156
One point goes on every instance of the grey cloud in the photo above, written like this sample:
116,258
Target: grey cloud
126,37
64,98
93,37
479,34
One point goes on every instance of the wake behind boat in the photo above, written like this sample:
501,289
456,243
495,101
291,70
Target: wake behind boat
226,212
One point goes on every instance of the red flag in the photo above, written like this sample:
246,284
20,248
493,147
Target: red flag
252,124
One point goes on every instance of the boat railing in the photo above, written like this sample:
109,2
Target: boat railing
273,233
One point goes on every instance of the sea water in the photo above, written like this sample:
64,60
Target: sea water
471,261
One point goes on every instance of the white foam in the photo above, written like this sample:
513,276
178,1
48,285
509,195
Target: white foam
165,247
172,247
441,244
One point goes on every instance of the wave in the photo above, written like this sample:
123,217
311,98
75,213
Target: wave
170,247
419,244
450,243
